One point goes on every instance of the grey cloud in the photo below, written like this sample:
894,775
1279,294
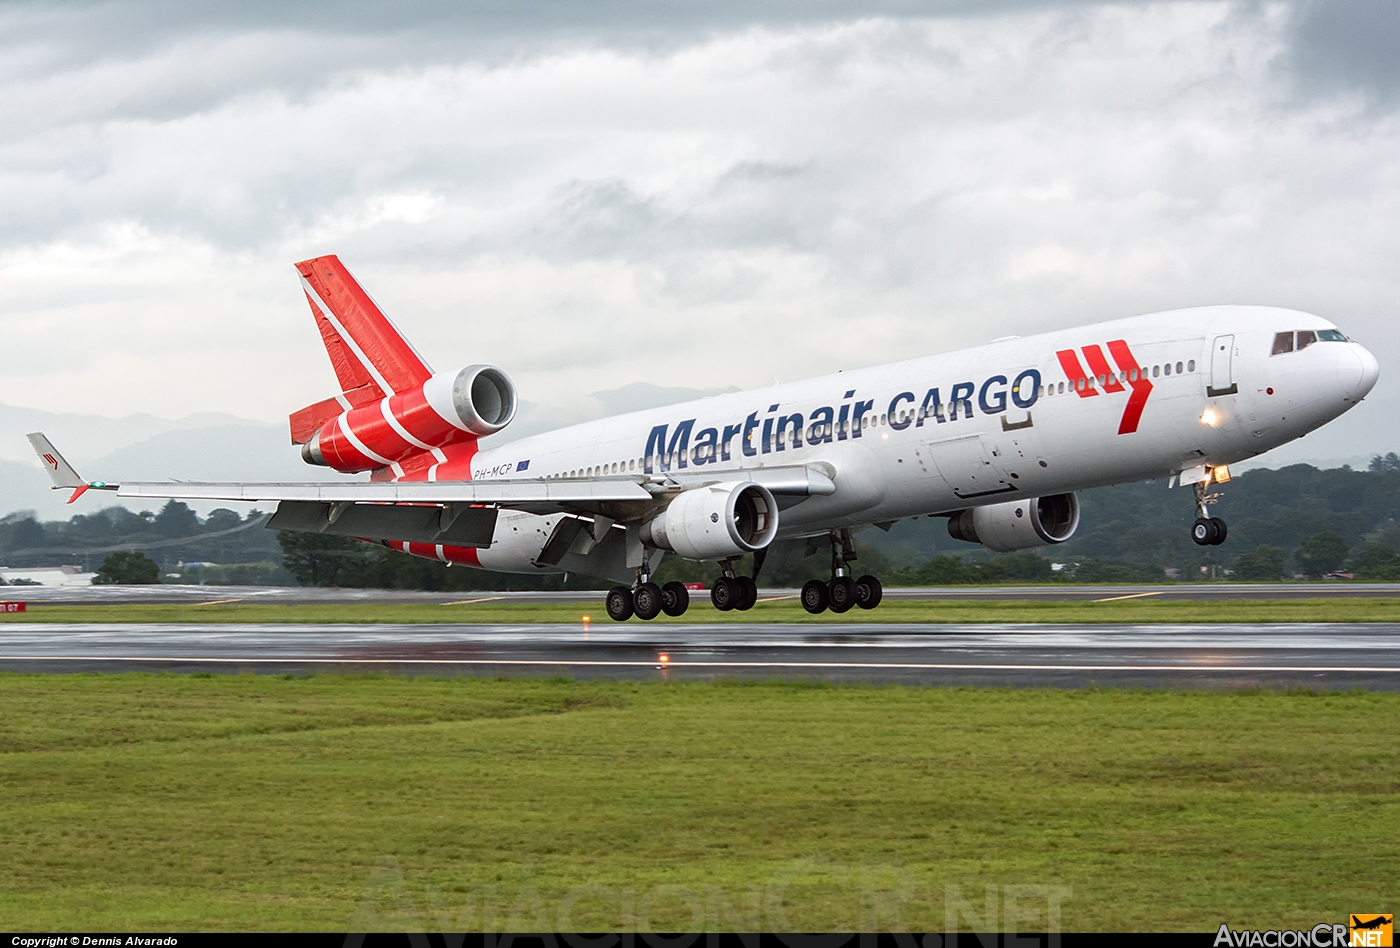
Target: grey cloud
1347,46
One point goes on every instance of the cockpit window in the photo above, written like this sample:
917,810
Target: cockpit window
1285,341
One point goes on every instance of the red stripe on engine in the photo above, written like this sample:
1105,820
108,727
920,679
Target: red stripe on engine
1141,387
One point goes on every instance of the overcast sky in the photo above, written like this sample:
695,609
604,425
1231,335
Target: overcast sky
702,195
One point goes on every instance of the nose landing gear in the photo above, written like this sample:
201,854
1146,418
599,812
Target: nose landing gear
1208,530
843,592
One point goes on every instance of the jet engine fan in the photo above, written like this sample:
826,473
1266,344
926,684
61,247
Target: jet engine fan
714,522
1018,524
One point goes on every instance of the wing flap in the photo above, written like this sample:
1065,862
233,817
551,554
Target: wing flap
472,526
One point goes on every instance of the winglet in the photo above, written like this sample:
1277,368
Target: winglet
60,471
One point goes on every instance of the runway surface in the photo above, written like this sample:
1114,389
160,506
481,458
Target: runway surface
92,595
1324,656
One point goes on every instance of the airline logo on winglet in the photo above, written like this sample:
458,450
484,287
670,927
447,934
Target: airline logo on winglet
1100,373
51,461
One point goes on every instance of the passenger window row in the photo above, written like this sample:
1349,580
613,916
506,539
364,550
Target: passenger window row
1296,342
1079,385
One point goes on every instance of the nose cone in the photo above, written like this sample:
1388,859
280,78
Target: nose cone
1369,371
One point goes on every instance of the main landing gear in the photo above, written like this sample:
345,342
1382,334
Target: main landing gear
646,600
842,592
736,592
1207,530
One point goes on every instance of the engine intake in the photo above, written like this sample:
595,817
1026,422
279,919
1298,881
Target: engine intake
714,522
482,397
1018,524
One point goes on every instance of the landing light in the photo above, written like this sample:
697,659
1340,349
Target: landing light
665,658
1208,417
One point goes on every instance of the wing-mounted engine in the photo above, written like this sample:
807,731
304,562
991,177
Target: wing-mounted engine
1018,524
713,522
450,407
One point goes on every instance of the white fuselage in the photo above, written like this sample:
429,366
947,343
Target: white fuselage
978,426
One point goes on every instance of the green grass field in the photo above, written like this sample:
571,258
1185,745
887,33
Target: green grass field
1144,610
167,802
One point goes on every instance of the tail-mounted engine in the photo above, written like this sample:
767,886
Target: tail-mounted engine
448,408
1018,524
714,522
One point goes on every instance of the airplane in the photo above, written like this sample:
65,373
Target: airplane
997,438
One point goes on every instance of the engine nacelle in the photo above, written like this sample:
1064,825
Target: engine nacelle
714,522
448,408
1018,524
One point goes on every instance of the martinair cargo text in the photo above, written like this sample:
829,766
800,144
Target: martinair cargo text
997,439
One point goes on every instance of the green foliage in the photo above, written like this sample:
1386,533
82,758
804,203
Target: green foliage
1389,464
251,803
1265,564
1321,553
176,520
128,569
1377,562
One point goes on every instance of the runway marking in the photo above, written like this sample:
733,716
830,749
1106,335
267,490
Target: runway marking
1133,596
216,602
468,602
653,663
778,598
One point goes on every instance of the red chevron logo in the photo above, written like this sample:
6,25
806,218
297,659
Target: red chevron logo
1101,377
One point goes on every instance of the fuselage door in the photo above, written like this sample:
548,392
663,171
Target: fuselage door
1222,379
968,467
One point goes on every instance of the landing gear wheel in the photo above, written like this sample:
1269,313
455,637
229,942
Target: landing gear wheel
748,593
1221,531
725,594
869,592
842,591
1203,531
646,599
675,598
619,604
814,596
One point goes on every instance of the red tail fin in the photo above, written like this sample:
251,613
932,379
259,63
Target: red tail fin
364,346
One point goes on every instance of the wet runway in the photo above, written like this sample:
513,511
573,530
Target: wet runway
94,595
1159,656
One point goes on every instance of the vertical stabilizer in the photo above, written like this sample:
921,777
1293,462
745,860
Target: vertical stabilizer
363,344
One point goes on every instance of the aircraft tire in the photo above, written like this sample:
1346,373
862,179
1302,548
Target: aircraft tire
1221,531
724,594
675,598
869,592
814,596
646,600
748,590
619,604
842,591
1203,531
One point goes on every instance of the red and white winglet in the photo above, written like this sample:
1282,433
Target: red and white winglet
60,471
